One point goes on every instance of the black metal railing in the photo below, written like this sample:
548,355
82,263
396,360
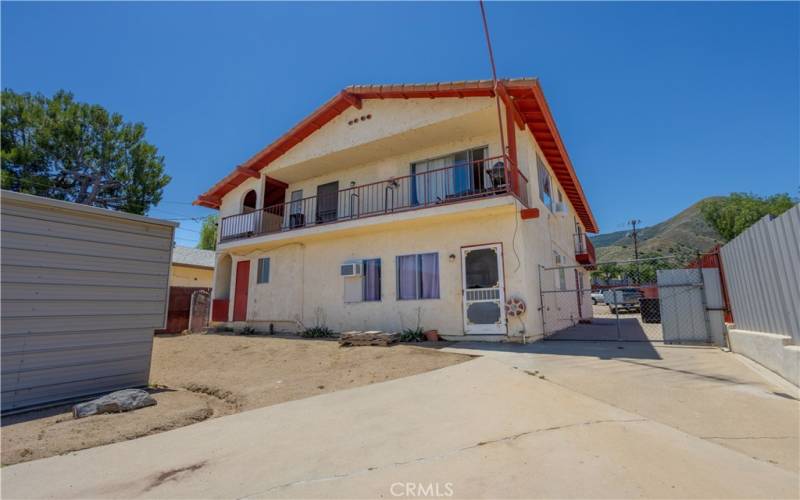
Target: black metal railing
466,181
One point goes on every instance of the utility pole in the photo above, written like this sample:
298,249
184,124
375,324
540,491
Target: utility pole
635,235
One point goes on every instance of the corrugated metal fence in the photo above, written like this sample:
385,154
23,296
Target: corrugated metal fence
762,269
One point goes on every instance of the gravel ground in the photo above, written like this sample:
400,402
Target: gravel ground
196,377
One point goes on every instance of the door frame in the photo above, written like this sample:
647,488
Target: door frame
502,327
319,216
241,301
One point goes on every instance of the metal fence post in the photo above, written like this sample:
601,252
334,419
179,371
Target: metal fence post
541,303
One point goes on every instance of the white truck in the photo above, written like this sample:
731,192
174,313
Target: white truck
622,299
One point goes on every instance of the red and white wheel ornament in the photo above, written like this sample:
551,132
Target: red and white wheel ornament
515,307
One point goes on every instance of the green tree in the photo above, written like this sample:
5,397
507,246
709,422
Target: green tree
606,272
60,148
731,215
208,233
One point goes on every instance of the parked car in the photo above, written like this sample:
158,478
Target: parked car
622,299
597,298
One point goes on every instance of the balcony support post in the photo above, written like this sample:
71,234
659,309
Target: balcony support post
513,168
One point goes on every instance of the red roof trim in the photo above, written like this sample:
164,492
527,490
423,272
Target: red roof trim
523,97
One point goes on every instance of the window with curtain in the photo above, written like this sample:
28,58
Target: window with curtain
435,182
545,189
296,202
263,270
372,280
418,276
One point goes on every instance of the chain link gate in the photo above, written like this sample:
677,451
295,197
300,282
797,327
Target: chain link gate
630,301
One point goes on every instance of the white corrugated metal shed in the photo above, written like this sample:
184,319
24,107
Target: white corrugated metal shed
82,290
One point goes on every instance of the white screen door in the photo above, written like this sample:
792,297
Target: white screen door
484,295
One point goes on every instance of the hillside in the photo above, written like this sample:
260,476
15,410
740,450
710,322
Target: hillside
683,234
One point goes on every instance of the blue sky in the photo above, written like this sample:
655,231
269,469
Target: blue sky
659,104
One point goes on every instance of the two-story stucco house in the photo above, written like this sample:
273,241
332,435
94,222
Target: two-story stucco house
397,205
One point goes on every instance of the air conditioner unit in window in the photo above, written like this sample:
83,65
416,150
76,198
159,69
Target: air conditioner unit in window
560,208
351,269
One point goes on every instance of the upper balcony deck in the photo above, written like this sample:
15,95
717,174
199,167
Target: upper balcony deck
464,181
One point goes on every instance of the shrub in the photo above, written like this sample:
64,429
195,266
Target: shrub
248,330
317,332
412,335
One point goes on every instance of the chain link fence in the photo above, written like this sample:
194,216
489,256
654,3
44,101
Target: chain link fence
632,300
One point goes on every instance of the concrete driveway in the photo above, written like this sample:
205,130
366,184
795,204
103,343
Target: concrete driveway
505,425
704,391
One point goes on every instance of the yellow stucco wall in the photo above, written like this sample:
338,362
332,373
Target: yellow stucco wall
190,276
305,284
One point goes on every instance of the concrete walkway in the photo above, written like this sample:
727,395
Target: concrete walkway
479,429
704,391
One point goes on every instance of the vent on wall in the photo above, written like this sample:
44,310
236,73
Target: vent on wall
359,119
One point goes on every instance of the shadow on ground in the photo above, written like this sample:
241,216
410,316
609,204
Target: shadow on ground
596,349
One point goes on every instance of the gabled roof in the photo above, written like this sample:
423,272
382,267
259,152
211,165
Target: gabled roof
523,96
194,257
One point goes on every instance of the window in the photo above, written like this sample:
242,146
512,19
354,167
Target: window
372,280
296,204
418,276
561,279
363,285
545,192
249,202
452,176
263,270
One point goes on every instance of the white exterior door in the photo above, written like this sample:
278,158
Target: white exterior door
483,290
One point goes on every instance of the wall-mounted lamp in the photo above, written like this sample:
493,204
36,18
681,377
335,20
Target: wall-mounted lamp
452,257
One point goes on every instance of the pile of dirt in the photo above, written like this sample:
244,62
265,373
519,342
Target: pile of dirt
197,377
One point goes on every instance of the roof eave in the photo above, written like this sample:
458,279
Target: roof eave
355,94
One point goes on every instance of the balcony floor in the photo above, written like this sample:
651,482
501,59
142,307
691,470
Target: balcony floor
499,204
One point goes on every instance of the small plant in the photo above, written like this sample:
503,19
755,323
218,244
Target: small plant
248,330
412,335
316,332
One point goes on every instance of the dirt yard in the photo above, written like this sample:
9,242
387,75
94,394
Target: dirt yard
196,377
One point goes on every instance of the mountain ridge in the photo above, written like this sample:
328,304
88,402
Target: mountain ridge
683,234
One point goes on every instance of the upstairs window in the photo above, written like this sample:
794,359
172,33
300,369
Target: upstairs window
249,202
452,176
418,276
545,189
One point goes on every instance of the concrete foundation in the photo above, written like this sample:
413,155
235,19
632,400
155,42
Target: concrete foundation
769,350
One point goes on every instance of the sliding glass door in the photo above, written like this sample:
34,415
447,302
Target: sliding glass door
448,177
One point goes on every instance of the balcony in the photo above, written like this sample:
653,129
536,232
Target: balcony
453,184
584,251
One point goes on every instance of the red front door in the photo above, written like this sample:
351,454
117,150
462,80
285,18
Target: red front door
240,296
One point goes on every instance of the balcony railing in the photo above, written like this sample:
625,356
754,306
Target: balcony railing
584,250
462,182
